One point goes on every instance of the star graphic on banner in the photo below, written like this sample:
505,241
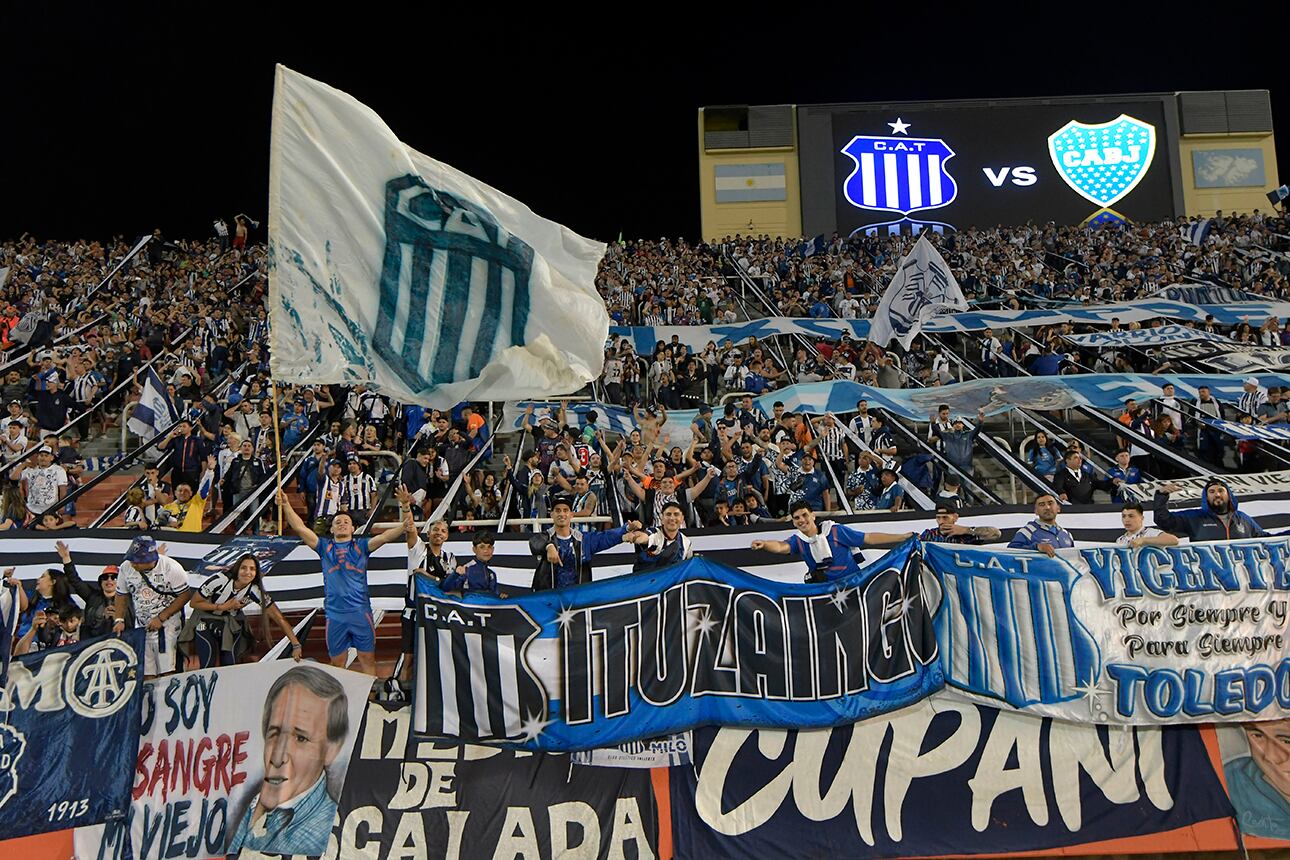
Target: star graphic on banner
898,127
1172,590
839,598
705,624
907,605
533,726
1093,694
566,616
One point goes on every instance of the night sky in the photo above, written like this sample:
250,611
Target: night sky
118,118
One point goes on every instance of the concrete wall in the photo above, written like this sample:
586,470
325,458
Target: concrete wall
1204,201
772,217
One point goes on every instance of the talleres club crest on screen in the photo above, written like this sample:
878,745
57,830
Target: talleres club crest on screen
899,173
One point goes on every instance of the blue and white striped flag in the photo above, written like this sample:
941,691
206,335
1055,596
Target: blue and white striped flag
154,413
395,270
923,287
1197,231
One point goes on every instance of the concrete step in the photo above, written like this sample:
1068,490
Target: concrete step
90,505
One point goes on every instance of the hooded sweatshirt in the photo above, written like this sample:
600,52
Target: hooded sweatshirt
1202,524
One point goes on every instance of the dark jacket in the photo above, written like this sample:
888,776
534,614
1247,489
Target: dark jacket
416,476
544,578
236,468
1201,524
1079,491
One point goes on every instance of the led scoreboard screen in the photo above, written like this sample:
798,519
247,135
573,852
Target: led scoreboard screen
951,167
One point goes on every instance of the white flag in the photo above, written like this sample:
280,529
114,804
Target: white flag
153,413
393,269
923,287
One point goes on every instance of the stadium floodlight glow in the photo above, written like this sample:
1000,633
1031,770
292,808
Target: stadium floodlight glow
1103,162
899,173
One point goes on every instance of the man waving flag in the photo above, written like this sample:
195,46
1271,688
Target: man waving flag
923,287
390,268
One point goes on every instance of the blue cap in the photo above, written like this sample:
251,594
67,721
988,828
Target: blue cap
143,550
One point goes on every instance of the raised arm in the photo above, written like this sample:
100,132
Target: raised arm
876,539
778,547
297,525
702,485
405,513
636,488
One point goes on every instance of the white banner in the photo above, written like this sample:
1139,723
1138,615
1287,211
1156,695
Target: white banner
1260,483
1251,360
1157,336
248,757
1188,633
670,751
395,270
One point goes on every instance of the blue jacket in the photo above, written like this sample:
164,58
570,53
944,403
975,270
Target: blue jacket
1033,533
1201,524
479,578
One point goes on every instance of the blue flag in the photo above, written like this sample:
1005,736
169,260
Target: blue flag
68,748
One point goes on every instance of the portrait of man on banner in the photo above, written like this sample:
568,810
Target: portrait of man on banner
305,725
1256,763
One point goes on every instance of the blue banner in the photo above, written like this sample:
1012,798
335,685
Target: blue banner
1189,633
1263,432
68,747
1099,390
266,549
695,644
943,778
645,338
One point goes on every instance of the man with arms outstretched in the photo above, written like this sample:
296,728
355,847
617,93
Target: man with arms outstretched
346,601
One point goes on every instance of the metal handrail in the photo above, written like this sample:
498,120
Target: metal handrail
130,255
114,506
273,483
5,467
527,521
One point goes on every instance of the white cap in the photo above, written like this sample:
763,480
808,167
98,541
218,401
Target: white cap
1250,380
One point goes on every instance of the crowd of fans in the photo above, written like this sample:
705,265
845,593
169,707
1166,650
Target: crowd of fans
76,344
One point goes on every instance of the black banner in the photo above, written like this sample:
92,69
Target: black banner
460,802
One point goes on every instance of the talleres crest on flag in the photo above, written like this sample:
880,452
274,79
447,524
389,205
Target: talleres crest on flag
899,173
441,246
1103,162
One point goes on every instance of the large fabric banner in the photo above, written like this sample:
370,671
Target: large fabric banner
1099,390
1251,360
1196,294
1259,432
1164,334
644,338
69,736
559,670
1191,489
453,801
1190,633
248,757
947,778
392,269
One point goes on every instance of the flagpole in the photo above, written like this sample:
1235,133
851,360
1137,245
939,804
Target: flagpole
277,448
